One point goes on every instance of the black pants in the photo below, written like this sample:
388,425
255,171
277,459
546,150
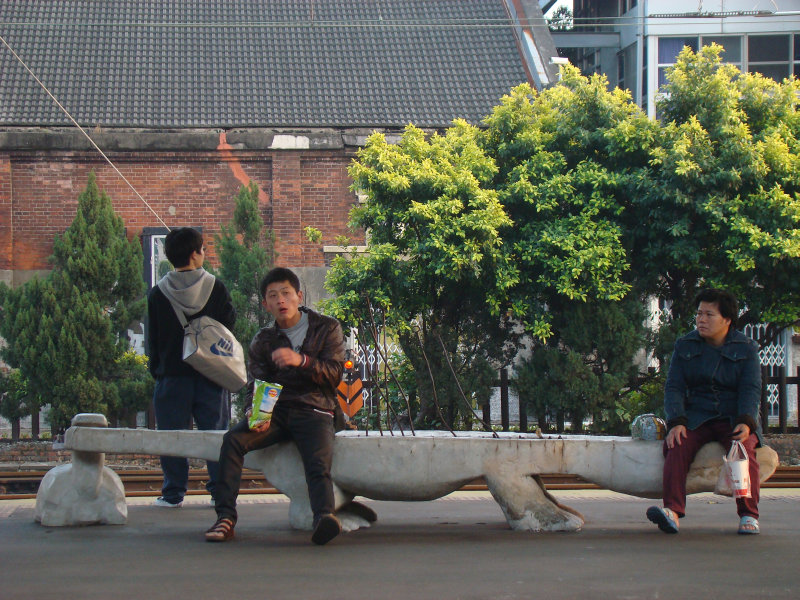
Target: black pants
312,431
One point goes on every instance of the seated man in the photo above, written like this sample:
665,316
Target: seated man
304,352
713,392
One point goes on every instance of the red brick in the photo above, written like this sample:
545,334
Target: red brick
299,189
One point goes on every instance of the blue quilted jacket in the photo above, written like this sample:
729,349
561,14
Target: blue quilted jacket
706,383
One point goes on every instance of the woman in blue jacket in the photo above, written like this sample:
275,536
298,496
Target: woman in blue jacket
713,392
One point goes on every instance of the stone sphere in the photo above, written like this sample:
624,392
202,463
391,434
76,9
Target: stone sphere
648,427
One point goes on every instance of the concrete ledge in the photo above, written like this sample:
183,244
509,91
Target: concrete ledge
41,139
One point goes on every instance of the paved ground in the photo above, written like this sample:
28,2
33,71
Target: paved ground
458,547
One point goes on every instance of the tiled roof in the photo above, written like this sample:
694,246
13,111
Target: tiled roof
256,63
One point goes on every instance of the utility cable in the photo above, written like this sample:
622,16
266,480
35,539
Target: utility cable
74,122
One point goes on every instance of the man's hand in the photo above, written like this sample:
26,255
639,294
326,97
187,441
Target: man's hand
262,427
286,357
740,433
676,435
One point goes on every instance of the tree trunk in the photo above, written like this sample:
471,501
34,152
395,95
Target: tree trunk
35,424
541,418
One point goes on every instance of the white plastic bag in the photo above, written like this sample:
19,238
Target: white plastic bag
734,476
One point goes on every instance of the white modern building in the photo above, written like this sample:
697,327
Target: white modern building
633,42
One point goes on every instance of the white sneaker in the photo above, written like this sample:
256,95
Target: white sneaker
166,504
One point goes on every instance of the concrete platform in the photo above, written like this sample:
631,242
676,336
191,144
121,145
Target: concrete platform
458,547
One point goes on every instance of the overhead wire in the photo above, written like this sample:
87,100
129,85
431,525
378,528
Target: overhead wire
82,130
577,24
746,17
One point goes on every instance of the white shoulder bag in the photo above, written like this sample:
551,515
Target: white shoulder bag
212,350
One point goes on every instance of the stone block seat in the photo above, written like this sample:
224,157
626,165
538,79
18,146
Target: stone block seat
423,466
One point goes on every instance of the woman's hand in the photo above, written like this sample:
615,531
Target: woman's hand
740,433
675,435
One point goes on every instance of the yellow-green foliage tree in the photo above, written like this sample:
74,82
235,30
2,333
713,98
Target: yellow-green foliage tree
718,203
433,264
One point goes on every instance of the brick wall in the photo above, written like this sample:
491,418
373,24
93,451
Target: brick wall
5,212
323,181
32,455
32,452
286,208
39,193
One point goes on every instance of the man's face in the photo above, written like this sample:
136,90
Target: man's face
711,325
198,258
282,301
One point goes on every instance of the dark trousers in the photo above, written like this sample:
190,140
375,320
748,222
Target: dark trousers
312,431
679,458
178,400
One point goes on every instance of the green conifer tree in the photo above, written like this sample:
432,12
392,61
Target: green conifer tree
246,253
67,332
15,401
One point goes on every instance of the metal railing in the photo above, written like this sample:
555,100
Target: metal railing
777,375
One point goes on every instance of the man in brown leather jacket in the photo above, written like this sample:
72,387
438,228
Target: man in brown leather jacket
304,352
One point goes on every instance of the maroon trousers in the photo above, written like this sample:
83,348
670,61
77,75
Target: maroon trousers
679,458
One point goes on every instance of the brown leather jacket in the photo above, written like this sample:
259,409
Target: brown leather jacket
313,385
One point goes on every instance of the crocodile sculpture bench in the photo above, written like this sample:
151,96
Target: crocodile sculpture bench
424,466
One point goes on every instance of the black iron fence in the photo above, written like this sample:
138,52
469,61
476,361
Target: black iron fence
778,375
771,375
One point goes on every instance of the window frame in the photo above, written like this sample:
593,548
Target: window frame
744,64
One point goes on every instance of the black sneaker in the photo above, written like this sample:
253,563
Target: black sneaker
325,529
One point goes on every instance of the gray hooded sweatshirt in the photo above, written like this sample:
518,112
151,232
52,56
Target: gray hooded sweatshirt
188,290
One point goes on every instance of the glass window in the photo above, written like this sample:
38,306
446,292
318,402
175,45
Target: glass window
155,259
770,55
669,48
732,46
626,68
644,77
778,72
662,76
768,48
797,46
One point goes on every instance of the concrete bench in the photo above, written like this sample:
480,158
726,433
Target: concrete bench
426,466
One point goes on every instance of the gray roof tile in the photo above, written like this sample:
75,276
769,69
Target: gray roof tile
256,63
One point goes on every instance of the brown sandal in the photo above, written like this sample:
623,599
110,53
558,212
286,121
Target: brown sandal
221,531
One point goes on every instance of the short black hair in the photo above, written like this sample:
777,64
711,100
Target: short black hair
727,303
180,244
279,274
